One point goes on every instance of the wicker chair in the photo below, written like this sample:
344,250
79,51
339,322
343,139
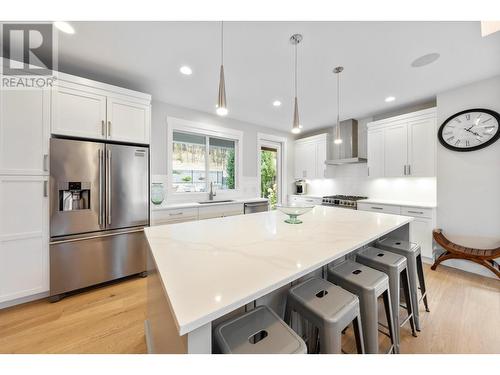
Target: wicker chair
484,257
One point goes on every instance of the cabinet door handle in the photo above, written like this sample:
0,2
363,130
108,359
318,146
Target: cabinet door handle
45,189
45,162
404,169
103,128
377,208
416,212
109,128
368,171
409,170
176,214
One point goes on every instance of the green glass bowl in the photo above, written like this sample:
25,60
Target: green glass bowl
293,211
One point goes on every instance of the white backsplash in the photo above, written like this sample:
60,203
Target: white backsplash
352,179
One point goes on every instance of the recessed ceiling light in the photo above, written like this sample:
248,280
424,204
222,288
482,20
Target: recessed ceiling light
186,70
389,99
425,60
276,103
64,27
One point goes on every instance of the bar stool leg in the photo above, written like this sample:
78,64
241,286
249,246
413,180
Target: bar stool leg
369,319
421,281
394,287
409,307
388,314
330,340
358,335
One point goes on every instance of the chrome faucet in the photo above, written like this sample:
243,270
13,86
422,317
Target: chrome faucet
212,193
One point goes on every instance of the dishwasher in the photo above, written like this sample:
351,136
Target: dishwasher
253,207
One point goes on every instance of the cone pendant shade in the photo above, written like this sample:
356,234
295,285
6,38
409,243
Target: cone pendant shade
296,121
221,99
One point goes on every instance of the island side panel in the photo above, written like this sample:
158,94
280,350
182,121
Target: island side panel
160,328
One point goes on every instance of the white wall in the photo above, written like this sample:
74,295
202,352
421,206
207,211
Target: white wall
161,110
468,183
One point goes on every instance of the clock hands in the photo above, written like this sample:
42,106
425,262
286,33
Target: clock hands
470,131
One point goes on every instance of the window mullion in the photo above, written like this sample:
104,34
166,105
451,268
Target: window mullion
207,163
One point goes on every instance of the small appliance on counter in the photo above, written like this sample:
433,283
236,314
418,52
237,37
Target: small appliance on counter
300,187
344,201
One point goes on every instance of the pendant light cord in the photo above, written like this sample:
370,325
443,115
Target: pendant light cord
296,69
222,43
338,105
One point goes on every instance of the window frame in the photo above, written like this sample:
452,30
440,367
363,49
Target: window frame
206,130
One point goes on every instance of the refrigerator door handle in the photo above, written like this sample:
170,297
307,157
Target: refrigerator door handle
108,186
100,157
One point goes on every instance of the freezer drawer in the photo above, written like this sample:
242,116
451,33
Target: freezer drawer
76,264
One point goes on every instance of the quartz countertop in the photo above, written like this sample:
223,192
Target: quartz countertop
169,206
211,267
399,203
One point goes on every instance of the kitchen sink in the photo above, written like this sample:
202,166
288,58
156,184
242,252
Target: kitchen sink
219,201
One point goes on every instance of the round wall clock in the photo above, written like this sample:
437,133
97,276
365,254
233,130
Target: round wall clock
470,130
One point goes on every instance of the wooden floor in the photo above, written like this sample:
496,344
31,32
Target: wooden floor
464,318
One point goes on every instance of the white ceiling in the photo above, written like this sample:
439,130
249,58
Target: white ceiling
146,56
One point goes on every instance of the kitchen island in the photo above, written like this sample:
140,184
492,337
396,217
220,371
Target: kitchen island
202,272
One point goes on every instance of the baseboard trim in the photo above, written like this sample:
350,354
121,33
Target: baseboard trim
19,301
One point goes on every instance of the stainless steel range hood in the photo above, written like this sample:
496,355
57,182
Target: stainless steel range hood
347,152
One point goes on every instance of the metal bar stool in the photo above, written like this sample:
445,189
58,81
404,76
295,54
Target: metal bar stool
329,308
259,331
394,266
415,271
368,284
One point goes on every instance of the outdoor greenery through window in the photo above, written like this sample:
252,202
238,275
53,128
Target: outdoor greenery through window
196,156
268,175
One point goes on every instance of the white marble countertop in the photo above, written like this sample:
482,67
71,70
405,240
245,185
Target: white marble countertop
169,206
399,203
211,267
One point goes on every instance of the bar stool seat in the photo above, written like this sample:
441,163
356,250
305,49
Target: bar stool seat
329,308
259,331
394,266
413,256
368,284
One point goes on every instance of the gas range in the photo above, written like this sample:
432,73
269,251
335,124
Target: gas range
344,201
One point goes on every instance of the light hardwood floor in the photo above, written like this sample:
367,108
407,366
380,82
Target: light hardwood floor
464,318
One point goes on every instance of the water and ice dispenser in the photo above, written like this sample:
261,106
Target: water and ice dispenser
74,196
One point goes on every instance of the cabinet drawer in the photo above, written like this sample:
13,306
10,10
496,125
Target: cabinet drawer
220,211
375,207
174,216
416,212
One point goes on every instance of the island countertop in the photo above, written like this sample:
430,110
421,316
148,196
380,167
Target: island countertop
211,267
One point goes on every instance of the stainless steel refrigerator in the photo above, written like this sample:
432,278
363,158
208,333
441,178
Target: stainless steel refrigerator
99,205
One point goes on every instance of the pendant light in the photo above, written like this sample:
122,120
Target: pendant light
296,127
221,99
337,71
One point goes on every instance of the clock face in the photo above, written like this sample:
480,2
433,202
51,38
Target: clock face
470,130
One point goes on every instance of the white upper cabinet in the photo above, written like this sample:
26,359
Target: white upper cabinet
310,157
422,147
24,132
395,150
87,109
78,113
128,121
403,146
376,153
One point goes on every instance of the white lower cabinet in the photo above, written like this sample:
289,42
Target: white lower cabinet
24,237
172,216
180,215
420,228
300,199
210,212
